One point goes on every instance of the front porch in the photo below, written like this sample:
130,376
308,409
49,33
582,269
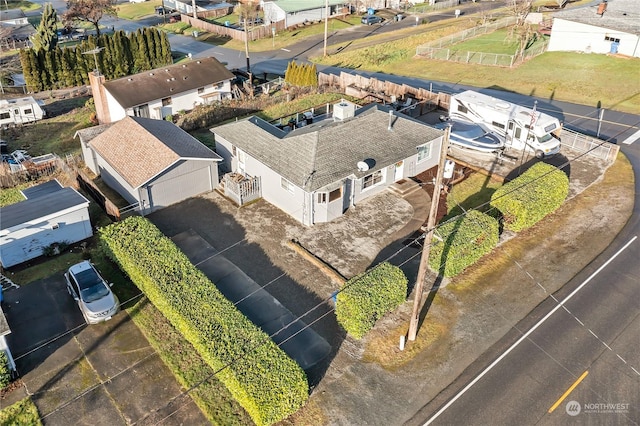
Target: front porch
239,188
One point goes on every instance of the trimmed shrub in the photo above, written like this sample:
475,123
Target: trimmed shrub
5,372
367,297
260,376
461,242
530,197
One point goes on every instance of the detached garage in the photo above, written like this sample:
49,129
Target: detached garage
150,163
49,214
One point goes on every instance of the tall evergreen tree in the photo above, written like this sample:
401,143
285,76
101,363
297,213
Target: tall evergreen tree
46,36
167,59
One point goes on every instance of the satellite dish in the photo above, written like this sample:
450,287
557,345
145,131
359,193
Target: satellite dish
362,166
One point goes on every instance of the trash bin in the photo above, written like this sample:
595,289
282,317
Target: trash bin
195,34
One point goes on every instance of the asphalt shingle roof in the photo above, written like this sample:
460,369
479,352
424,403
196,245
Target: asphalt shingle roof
140,148
167,81
621,15
325,152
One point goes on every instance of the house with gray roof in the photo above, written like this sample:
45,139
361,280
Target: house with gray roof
49,214
295,12
161,92
150,163
315,173
600,27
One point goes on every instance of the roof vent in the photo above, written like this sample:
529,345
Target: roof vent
184,65
173,78
184,78
197,62
151,73
129,79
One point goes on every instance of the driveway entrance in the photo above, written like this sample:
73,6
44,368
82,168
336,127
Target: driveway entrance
103,374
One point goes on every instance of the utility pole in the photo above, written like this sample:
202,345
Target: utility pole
246,49
426,248
326,25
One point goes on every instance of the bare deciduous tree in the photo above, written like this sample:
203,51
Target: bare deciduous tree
89,11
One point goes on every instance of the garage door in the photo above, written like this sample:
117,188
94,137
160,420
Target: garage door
175,187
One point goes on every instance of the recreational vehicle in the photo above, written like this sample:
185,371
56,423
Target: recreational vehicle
15,112
522,128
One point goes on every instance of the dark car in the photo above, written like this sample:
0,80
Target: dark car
371,19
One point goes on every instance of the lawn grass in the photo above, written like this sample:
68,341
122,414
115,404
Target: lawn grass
499,42
54,134
473,192
26,6
10,196
565,76
22,413
134,11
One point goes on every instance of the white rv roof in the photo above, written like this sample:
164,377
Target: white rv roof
29,100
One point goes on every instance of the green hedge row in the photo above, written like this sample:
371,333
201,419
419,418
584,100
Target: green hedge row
5,372
259,375
531,196
461,242
369,296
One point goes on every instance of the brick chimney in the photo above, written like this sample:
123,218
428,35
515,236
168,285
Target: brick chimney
99,97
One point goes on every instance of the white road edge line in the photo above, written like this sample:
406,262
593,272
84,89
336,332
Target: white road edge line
631,139
524,336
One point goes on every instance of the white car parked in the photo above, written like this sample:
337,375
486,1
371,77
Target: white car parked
94,296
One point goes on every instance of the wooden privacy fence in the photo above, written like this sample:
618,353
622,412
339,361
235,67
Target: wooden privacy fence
362,87
90,188
255,33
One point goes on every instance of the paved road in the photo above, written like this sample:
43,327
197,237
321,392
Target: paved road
597,332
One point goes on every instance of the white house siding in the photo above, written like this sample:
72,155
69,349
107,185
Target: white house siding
184,180
116,112
89,157
26,241
116,182
273,13
569,36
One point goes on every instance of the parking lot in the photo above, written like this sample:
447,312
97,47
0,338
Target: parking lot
103,374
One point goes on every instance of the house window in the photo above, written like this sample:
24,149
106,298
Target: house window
424,152
613,39
166,101
336,194
200,90
285,184
141,111
373,179
5,115
322,197
219,86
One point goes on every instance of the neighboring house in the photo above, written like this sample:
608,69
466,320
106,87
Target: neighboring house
5,331
150,163
608,27
186,6
316,172
161,92
295,12
14,17
49,214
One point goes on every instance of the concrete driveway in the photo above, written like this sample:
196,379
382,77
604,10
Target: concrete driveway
103,374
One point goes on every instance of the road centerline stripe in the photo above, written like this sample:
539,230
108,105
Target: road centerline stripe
566,394
524,336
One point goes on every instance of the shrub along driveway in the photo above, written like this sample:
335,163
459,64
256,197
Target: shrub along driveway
103,374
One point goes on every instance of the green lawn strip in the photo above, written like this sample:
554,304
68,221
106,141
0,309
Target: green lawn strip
499,42
55,134
185,363
564,76
23,412
26,6
12,195
133,11
474,191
